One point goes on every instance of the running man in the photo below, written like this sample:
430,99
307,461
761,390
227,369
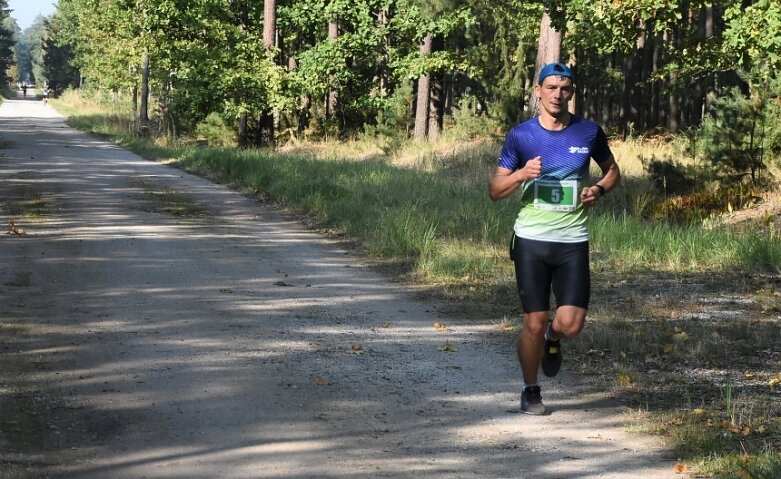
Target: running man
548,157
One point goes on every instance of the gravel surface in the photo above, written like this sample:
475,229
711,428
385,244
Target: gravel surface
155,325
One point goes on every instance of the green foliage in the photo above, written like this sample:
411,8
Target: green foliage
754,36
732,138
205,54
56,59
671,177
214,130
7,51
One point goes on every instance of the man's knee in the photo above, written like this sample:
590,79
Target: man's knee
535,323
570,321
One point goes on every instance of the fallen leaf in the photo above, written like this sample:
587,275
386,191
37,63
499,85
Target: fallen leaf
677,421
321,382
447,348
776,381
441,327
13,229
667,348
387,325
682,336
745,431
680,468
357,348
624,379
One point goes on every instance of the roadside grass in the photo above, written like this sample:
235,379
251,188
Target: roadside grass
28,206
173,202
422,211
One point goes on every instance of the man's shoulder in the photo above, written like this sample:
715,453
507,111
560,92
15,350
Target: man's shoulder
585,122
525,126
582,126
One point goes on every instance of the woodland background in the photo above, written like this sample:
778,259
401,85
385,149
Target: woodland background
280,69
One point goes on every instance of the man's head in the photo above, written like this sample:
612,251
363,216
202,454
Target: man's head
555,69
555,90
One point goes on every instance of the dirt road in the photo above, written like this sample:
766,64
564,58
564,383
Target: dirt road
156,325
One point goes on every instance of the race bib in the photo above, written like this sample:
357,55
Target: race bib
556,195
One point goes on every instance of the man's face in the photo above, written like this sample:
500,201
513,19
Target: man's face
554,93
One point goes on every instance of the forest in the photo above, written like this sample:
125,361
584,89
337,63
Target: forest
279,69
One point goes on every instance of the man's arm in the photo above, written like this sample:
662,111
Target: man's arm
611,176
505,182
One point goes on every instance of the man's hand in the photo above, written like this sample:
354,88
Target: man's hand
588,196
532,168
505,182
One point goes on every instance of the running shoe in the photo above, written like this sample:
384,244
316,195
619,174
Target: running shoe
551,357
531,401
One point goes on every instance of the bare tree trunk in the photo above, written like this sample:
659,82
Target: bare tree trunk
634,65
242,137
436,94
135,102
333,95
673,105
548,51
143,113
711,81
573,60
269,42
656,119
424,91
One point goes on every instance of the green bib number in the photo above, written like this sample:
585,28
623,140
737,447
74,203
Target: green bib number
554,195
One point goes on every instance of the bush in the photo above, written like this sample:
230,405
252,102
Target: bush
732,138
214,130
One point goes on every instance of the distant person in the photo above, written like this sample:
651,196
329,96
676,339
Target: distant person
548,158
24,90
46,92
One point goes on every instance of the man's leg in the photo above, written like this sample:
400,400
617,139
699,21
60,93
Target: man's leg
569,322
530,344
530,347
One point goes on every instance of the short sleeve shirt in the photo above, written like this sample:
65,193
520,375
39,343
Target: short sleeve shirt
550,205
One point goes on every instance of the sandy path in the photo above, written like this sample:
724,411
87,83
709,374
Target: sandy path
230,342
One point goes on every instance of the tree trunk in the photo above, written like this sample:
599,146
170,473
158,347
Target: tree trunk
381,75
656,119
548,51
436,97
711,80
143,113
573,60
135,102
424,91
269,24
266,121
333,95
242,137
634,65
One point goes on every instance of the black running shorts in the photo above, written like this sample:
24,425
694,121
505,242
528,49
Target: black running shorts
540,265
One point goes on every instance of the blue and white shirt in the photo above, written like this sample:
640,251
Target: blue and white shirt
550,205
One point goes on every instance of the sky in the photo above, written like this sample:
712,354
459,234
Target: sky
25,11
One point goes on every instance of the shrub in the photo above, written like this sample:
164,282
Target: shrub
214,130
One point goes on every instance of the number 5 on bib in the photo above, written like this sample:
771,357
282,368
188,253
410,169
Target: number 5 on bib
556,195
